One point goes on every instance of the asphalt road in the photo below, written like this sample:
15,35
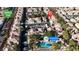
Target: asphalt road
23,38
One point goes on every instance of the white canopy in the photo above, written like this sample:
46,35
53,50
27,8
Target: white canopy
77,25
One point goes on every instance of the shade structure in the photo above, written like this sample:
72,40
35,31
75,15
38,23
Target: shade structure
77,25
7,13
50,14
45,45
53,38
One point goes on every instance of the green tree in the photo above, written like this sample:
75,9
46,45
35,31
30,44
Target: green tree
55,46
73,45
65,26
50,33
65,35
